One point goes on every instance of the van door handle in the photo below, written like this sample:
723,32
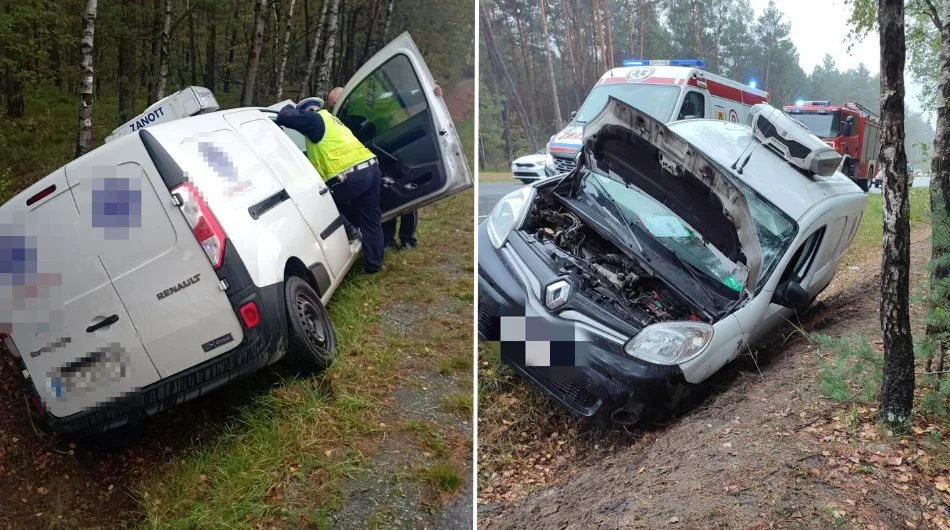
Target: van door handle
324,190
106,322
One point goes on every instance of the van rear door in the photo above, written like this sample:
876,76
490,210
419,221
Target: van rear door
75,336
162,274
390,105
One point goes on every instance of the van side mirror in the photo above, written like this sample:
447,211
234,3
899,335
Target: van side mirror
573,115
792,295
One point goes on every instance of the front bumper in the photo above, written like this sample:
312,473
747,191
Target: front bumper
588,372
528,173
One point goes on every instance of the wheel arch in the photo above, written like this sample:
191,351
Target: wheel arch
319,280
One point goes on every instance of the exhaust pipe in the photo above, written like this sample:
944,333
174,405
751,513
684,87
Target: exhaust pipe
627,415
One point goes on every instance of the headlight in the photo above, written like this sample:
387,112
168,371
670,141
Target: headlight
509,212
670,342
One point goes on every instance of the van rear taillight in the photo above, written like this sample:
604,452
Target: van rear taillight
250,315
203,224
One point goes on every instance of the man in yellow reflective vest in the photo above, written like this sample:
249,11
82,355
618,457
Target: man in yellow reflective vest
378,115
347,166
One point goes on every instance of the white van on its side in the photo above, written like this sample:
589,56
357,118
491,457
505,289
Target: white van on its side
185,254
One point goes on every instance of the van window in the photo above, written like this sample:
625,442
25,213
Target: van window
694,106
388,97
801,262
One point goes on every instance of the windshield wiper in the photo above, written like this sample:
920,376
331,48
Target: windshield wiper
620,215
690,269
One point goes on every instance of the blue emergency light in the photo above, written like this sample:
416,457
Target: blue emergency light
697,63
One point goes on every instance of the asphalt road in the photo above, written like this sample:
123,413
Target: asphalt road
490,192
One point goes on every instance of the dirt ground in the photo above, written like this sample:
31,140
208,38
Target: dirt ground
49,482
763,450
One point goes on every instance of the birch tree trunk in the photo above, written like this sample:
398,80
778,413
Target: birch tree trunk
897,389
163,41
384,34
279,89
312,60
86,48
547,53
323,75
940,183
254,57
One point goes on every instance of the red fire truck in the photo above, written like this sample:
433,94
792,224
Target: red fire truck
851,129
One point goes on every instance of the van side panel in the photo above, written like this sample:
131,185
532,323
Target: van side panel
69,320
304,186
156,264
232,179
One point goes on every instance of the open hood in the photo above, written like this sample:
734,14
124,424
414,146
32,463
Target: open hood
626,144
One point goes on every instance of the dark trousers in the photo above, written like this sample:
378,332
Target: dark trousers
407,229
357,198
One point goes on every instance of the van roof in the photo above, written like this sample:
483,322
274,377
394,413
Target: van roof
776,180
685,75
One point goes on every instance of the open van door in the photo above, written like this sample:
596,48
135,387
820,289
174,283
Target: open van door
390,105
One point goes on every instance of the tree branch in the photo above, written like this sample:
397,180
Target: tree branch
933,14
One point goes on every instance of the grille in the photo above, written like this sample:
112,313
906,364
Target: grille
522,164
574,394
563,165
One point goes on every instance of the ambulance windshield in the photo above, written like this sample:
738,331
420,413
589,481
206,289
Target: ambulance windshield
656,100
823,125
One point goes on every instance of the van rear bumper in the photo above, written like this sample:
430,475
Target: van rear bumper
263,343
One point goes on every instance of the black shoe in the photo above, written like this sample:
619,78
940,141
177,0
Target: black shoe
390,245
408,246
372,270
353,233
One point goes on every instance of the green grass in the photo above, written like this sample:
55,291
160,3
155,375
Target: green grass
455,364
459,402
443,477
871,230
849,369
284,456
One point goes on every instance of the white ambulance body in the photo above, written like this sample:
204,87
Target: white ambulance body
666,90
186,253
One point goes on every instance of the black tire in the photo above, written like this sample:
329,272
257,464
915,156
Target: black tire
863,184
527,181
312,344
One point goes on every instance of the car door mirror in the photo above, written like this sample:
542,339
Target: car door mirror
792,295
573,114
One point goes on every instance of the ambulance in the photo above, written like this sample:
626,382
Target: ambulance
667,90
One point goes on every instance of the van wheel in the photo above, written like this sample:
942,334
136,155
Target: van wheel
312,339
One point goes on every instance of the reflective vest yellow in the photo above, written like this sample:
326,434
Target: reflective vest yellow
338,150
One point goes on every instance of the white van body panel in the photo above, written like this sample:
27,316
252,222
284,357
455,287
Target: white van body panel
148,251
303,184
64,291
264,244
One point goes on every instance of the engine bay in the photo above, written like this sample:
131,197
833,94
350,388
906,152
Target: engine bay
605,274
